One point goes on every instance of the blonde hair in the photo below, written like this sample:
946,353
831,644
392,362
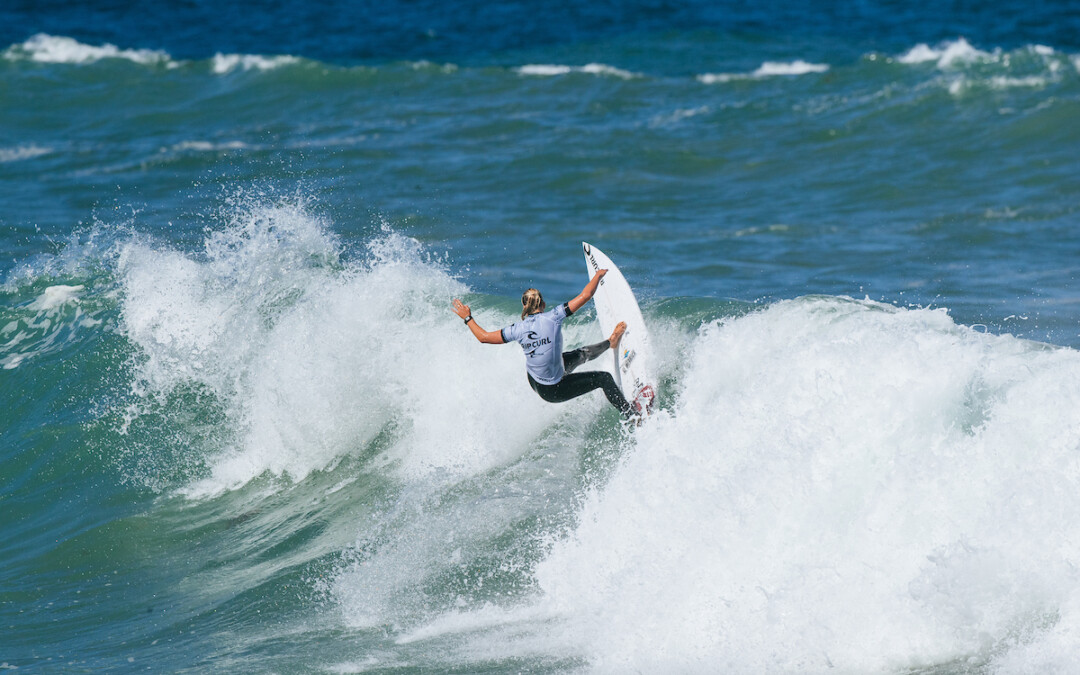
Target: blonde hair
532,302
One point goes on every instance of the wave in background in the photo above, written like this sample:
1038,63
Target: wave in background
1043,62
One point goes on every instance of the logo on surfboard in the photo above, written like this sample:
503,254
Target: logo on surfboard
592,259
644,400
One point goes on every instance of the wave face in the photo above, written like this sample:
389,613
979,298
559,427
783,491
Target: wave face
292,422
242,431
842,485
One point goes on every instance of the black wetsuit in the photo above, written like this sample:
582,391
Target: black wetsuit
573,384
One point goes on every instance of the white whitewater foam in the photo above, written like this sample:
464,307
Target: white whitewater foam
843,486
947,55
314,359
544,70
603,69
678,116
22,152
58,49
719,78
226,63
920,53
549,70
773,68
1004,82
47,330
56,296
207,146
766,69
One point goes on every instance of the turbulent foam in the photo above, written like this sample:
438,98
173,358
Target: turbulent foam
55,296
44,48
772,68
548,70
226,63
42,326
767,69
966,68
314,358
57,49
678,116
22,152
841,485
207,146
947,55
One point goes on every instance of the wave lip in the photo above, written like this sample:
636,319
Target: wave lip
45,48
767,69
222,64
948,54
552,70
966,68
22,152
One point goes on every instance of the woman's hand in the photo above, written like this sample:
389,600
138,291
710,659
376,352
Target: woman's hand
487,337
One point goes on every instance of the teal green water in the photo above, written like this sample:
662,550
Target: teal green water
241,429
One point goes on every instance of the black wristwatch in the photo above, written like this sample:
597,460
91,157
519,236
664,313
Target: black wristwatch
468,318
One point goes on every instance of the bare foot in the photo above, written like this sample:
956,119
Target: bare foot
616,334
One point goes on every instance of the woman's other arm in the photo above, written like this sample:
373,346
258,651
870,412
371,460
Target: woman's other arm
487,337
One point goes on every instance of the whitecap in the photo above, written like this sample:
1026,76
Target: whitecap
719,78
1002,82
774,68
920,53
59,49
543,70
766,69
55,296
226,63
550,70
22,152
207,146
604,69
678,116
947,55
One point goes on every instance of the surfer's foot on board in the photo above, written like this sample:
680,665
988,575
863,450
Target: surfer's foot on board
616,334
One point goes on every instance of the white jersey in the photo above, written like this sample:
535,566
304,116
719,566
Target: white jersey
540,335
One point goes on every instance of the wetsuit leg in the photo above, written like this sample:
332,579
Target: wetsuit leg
576,384
572,360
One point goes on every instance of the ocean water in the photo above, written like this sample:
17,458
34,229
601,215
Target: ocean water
242,431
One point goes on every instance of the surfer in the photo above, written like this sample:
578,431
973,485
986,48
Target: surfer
540,334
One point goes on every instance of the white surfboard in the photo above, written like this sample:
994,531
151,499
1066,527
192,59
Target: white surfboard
615,302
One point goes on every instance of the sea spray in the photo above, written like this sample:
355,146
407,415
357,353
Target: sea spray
842,484
310,357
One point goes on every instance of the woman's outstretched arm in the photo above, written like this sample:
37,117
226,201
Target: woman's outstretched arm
487,337
587,292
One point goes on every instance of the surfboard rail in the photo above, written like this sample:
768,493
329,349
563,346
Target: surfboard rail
615,301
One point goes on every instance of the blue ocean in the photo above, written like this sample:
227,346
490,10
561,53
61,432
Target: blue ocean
242,431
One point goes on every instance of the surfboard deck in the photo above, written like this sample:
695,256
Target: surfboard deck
614,301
